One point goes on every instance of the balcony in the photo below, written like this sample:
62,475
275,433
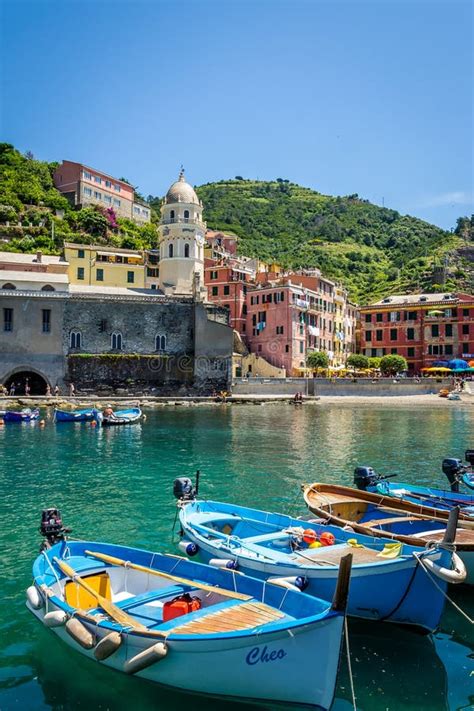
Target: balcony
183,221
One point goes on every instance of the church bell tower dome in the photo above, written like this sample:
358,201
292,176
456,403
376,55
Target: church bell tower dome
181,191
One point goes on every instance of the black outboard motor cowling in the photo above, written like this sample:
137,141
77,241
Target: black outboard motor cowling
453,468
52,527
183,488
365,477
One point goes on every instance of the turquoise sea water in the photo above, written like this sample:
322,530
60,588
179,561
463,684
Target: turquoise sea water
116,485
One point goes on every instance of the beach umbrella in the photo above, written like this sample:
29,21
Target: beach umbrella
470,363
458,364
462,370
439,364
437,370
435,312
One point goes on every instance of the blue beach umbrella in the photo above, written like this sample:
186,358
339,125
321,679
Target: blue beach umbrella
458,364
440,364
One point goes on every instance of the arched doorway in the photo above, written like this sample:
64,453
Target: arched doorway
23,378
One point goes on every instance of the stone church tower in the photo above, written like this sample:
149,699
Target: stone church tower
182,241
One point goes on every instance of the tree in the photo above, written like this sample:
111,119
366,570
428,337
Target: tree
393,364
358,361
317,359
374,362
93,221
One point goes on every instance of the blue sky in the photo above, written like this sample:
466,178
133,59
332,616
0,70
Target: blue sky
340,96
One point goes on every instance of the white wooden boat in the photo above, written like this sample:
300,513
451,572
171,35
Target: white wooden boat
241,639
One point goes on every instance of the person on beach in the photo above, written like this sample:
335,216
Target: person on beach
56,390
48,391
12,389
72,390
27,387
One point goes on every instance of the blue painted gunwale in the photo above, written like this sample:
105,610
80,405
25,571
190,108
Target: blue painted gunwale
441,499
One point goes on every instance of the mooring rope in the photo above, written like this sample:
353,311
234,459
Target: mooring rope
431,577
349,664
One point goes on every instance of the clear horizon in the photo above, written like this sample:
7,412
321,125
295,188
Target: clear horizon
371,96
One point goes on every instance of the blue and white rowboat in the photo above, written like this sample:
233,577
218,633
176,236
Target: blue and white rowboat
398,589
249,641
86,415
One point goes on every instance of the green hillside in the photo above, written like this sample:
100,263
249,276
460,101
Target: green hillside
373,250
34,215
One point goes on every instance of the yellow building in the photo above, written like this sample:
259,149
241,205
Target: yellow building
94,265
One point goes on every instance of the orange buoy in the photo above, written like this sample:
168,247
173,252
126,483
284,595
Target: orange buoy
309,536
327,538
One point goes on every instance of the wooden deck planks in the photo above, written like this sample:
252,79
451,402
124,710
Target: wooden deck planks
238,617
332,554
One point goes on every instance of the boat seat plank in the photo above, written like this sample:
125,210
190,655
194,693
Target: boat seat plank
383,521
333,554
231,619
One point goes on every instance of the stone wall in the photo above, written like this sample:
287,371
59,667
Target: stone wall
338,386
138,321
131,373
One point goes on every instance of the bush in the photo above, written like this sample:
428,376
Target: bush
393,364
374,362
358,361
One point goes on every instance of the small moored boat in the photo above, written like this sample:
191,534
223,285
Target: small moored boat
189,626
388,582
385,517
121,417
366,479
86,415
25,415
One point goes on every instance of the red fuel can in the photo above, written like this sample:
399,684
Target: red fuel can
181,605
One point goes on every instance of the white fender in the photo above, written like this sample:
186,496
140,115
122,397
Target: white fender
456,574
107,646
288,583
55,618
189,548
34,597
146,658
223,563
80,633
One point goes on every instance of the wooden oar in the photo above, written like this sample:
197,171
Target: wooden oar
115,612
168,576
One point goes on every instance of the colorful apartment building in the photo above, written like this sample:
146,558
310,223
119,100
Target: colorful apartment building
84,186
423,328
227,283
94,265
289,317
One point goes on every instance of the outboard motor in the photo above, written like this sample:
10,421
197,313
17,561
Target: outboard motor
183,489
365,477
453,468
51,528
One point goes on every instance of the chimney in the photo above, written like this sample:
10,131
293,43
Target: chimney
39,257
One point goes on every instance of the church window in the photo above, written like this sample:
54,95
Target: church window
186,250
186,214
172,214
160,342
170,250
75,339
116,341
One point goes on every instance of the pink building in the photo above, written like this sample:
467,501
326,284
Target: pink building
86,186
297,314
